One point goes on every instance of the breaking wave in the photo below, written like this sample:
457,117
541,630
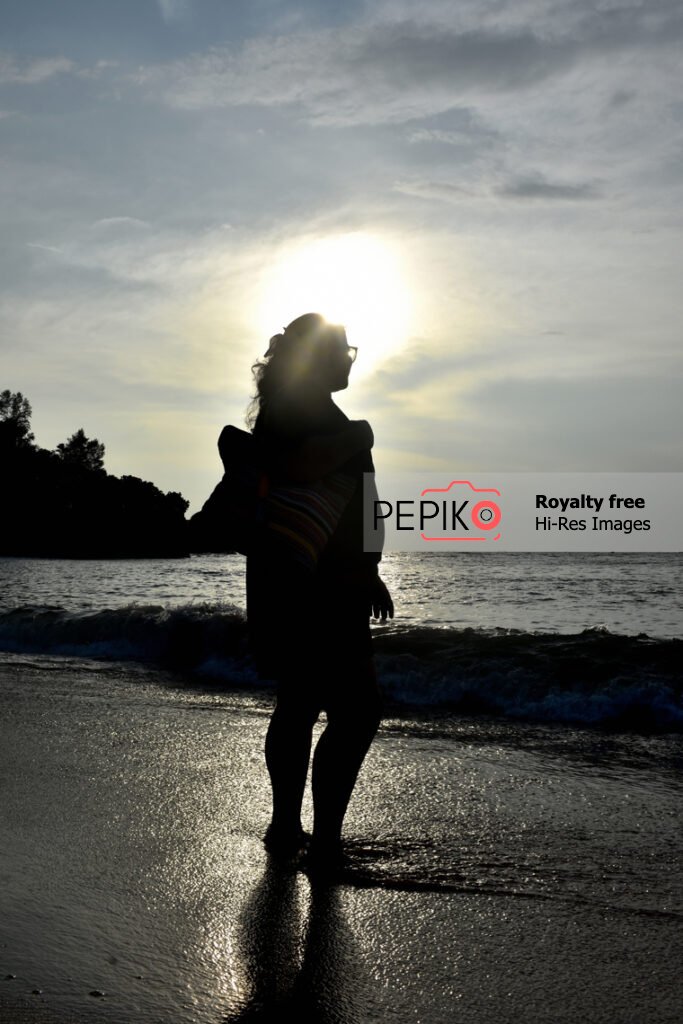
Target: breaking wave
589,678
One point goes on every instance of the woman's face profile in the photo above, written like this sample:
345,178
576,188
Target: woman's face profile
337,361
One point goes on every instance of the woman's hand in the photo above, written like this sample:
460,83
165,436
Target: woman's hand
380,601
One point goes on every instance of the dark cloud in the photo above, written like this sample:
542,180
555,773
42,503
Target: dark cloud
531,187
622,97
652,23
539,188
410,53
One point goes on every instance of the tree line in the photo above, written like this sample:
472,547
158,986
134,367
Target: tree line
63,503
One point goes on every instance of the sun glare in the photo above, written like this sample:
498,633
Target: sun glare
354,279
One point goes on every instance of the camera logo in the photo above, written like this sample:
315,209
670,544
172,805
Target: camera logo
476,518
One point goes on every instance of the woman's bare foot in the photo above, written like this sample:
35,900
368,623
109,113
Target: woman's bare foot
284,844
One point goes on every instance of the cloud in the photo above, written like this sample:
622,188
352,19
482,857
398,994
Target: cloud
370,72
440,190
21,70
97,69
536,187
530,187
621,97
31,71
637,406
173,11
45,248
439,135
120,222
360,75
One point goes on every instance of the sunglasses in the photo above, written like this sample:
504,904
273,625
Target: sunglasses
337,341
343,349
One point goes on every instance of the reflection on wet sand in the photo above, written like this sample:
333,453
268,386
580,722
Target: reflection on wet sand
308,967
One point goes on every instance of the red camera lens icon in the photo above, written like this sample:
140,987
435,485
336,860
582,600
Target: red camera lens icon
465,512
486,515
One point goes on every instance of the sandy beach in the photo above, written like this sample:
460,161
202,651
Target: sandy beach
498,872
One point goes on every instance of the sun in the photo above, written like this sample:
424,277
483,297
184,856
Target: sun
355,279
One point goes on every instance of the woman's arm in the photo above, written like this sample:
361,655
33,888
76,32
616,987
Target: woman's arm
321,454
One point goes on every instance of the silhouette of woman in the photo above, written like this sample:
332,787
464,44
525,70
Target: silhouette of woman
310,630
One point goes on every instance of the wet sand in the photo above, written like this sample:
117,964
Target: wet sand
491,882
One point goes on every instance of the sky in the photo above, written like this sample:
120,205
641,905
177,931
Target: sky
487,193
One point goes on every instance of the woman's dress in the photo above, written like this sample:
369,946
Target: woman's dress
306,627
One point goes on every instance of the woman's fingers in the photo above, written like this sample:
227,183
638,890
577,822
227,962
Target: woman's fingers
381,603
387,605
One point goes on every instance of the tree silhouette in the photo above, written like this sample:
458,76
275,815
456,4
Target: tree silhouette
64,504
82,451
15,421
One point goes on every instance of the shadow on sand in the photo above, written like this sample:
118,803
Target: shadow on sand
307,968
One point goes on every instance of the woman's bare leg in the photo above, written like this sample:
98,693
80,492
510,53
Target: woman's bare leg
353,717
288,751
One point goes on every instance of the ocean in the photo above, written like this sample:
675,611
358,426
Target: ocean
513,840
577,638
